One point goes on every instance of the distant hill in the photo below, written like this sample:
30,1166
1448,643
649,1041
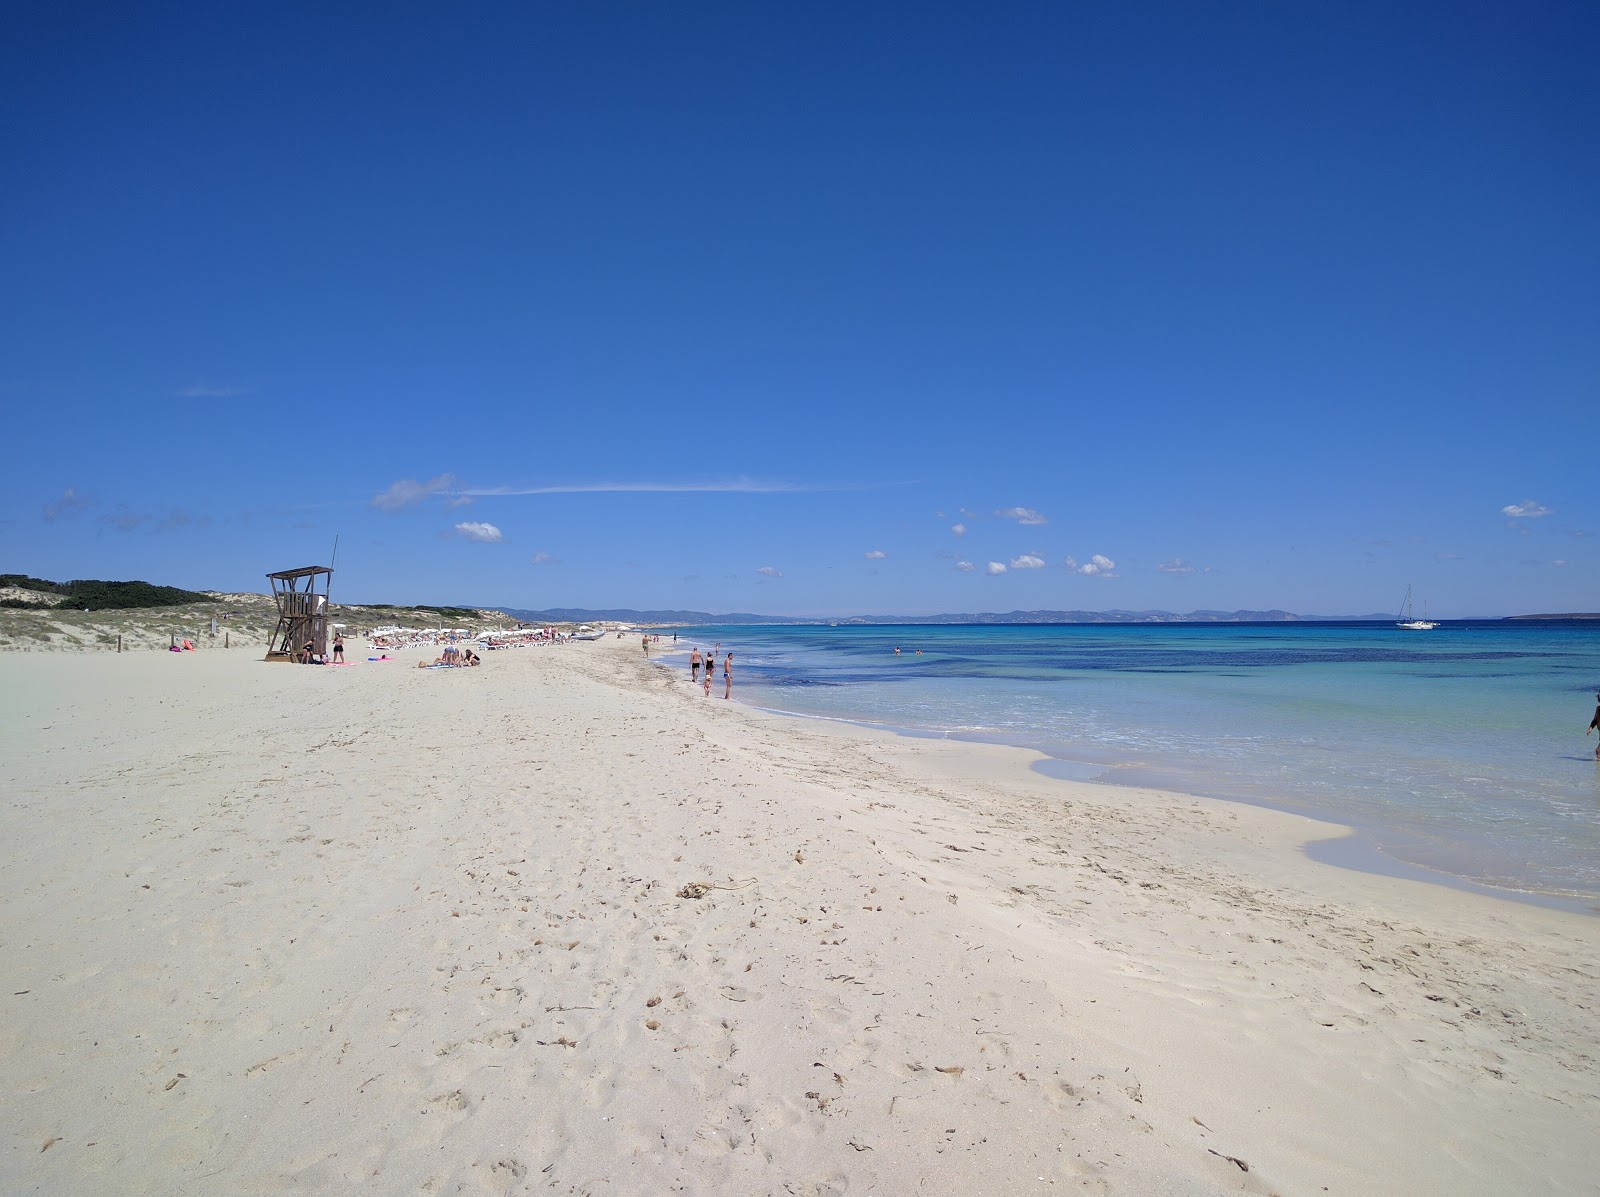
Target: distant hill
692,618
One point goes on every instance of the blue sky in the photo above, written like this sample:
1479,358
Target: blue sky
808,309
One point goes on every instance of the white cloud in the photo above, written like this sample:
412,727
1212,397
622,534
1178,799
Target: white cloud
1559,561
542,558
69,504
1023,515
965,567
481,533
1176,566
767,571
875,555
408,492
1528,509
958,529
1027,561
1097,566
995,568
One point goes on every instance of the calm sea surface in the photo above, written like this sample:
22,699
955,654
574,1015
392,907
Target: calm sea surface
1460,750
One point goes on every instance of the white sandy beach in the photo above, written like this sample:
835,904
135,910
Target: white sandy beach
276,929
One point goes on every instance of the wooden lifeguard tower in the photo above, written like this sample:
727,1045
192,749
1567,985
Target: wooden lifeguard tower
302,597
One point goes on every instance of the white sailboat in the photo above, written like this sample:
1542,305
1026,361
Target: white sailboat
1409,621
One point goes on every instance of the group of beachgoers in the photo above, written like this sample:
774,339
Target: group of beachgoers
522,638
707,663
308,654
454,655
393,637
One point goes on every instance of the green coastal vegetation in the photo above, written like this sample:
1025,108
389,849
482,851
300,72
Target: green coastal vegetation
95,594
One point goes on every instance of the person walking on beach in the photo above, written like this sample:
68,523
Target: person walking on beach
1594,725
338,648
646,641
711,664
694,666
727,676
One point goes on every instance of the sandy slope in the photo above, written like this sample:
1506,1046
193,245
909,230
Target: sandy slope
378,929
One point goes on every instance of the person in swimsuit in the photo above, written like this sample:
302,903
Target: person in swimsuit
694,666
710,665
1594,725
727,676
338,648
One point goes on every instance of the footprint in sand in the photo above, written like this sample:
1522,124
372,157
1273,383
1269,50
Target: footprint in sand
507,1174
453,1100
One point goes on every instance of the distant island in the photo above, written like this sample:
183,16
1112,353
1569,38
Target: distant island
40,594
1571,615
691,618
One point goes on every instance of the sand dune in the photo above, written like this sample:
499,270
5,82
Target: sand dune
562,924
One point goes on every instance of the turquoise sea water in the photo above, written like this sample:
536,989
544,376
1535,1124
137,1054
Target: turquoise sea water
1461,750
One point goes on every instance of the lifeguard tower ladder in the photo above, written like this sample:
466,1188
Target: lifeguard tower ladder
302,597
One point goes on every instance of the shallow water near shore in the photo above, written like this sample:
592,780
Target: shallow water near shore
1459,750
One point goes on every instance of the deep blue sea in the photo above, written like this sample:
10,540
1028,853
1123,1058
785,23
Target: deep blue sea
1460,750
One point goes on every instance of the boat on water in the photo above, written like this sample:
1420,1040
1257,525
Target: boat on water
1408,620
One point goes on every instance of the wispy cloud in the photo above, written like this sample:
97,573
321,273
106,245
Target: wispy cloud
479,533
958,529
965,567
995,568
69,504
1176,566
1528,509
542,558
124,520
1023,515
740,486
875,554
1559,562
408,492
769,571
1027,561
201,391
